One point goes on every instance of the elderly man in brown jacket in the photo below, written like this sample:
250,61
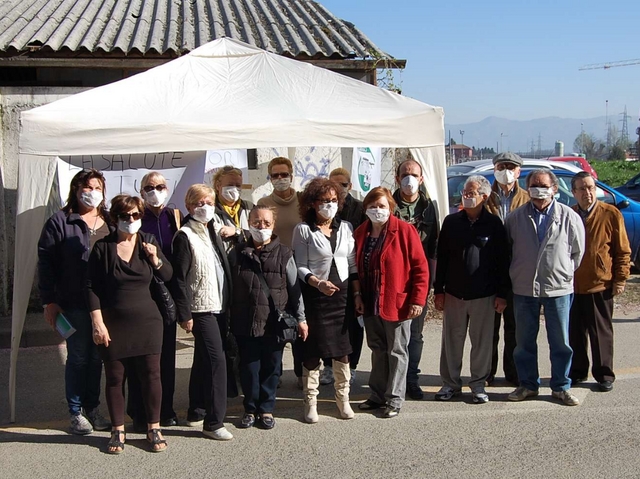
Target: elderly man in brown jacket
601,276
506,196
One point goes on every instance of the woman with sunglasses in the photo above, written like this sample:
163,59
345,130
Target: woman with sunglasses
325,254
202,296
127,325
163,223
232,212
63,254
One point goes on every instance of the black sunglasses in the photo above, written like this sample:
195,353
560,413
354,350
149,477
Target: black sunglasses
150,188
127,216
280,175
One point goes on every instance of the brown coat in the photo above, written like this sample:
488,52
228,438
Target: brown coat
607,252
520,197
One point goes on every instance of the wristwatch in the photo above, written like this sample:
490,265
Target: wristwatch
238,231
159,265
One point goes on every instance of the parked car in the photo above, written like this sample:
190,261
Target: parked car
578,161
629,208
631,188
480,166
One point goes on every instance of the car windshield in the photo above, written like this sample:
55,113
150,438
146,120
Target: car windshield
460,169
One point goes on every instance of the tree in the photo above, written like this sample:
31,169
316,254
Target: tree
589,145
617,153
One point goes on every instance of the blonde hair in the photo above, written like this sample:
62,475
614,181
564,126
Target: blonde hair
341,172
225,171
280,160
196,192
152,175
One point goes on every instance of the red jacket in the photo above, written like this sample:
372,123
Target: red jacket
404,272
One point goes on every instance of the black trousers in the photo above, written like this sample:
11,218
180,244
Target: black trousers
135,405
508,364
591,316
208,380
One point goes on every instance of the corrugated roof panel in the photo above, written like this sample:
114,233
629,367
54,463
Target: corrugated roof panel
294,27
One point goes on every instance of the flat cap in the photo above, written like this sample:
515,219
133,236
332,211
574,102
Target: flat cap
507,157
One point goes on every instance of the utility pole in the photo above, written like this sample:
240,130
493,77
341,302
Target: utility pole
539,144
581,138
462,136
625,128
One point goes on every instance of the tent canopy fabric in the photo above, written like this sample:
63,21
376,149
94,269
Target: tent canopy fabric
223,95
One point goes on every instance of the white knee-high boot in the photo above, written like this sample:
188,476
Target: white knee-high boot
310,383
342,375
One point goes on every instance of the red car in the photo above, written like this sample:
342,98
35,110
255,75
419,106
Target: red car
578,161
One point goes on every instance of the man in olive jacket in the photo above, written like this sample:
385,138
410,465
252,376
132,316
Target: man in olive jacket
601,276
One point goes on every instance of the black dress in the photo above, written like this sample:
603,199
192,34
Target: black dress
328,329
121,291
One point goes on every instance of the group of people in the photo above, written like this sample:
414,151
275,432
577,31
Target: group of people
340,268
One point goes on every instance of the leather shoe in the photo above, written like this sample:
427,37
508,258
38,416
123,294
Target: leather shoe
267,422
369,405
172,421
575,381
605,386
248,420
391,411
414,391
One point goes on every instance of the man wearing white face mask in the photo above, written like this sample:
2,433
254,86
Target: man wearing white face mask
414,207
231,220
548,241
506,196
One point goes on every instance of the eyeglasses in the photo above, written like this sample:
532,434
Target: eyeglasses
506,166
344,185
149,188
539,186
326,202
275,176
261,224
586,188
469,194
129,216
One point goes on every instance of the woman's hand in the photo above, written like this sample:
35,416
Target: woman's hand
51,313
101,334
327,287
414,311
303,331
152,252
227,231
187,325
359,304
438,301
500,305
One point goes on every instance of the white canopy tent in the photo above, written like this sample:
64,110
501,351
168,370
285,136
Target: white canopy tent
223,95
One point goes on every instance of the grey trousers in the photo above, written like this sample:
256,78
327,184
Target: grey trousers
476,315
388,341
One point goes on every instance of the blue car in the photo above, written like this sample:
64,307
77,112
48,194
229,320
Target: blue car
629,208
631,188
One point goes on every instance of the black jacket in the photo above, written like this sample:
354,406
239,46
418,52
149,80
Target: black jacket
426,223
352,211
473,259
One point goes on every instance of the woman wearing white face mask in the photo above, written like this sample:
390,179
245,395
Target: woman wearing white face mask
127,325
202,295
231,220
162,223
63,253
253,320
325,255
394,275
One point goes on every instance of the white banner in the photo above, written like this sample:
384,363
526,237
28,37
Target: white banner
366,169
216,159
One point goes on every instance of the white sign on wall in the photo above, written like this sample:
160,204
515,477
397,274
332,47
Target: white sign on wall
216,159
366,169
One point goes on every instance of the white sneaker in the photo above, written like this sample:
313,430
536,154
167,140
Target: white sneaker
80,425
353,377
220,434
480,396
96,419
326,376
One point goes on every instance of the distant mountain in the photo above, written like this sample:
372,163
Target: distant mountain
518,135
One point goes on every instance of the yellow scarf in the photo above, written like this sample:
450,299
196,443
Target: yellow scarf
233,211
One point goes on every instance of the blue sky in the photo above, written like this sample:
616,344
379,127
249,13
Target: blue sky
513,59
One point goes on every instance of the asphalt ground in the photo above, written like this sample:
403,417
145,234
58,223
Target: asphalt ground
536,438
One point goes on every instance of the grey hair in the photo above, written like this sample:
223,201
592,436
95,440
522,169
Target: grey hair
542,171
484,187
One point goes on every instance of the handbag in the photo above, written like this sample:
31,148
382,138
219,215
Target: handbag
286,326
162,296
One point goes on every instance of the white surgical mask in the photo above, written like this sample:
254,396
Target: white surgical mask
538,193
92,198
129,227
281,184
378,215
260,236
328,210
231,193
155,198
505,177
204,214
409,185
469,202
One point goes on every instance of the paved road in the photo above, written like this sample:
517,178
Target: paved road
537,438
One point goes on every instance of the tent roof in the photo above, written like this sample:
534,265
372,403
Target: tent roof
227,94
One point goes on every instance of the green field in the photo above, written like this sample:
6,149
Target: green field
615,173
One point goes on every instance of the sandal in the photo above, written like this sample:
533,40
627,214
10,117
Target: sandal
117,441
157,444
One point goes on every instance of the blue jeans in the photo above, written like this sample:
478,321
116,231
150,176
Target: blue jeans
83,370
415,347
556,313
